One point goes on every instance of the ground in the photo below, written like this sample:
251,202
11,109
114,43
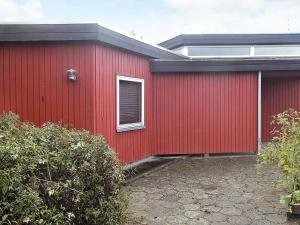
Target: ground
196,191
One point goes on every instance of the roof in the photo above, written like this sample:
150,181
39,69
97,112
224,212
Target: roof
80,32
231,39
224,64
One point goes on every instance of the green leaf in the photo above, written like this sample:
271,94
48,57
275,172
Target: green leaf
285,199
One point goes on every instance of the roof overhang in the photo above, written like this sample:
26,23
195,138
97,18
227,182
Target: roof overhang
80,32
231,39
222,65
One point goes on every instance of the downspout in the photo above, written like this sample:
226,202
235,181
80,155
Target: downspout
259,112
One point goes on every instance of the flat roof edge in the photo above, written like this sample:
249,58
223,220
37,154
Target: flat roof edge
80,32
169,66
231,39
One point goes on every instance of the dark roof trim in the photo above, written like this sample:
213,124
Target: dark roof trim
222,65
231,39
80,32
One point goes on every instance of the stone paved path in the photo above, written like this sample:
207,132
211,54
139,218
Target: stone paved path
216,191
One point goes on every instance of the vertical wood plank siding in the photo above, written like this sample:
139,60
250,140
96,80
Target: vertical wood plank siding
34,84
280,91
205,113
184,112
110,62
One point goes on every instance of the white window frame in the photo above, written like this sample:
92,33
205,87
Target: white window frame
130,126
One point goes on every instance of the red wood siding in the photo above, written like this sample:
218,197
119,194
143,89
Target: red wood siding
205,113
130,145
278,95
184,112
33,82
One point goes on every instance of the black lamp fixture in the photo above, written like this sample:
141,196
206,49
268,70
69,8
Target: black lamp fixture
72,74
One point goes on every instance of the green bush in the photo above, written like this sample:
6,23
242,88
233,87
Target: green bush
284,150
52,175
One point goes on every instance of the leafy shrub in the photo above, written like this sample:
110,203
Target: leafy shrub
284,150
52,175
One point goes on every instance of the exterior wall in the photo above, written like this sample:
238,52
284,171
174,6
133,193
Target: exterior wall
205,113
280,91
184,112
33,82
130,145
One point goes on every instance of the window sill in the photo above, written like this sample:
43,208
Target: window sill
129,127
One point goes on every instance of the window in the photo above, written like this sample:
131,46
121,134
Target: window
277,50
130,103
239,51
215,51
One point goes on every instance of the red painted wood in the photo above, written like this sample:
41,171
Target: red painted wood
34,83
205,113
280,91
130,145
184,113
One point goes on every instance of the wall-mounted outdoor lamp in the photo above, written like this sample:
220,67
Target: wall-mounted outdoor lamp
72,74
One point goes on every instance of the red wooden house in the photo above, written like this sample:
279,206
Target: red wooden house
206,94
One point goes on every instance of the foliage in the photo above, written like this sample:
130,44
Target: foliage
291,200
284,152
52,175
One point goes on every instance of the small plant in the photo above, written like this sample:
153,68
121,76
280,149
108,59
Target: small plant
284,152
50,175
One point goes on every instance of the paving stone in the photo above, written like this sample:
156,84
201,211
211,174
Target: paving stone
215,217
178,219
245,206
210,191
262,222
206,202
199,221
254,214
211,209
156,196
174,211
171,205
225,204
191,207
193,214
275,218
170,198
187,200
221,223
239,220
231,211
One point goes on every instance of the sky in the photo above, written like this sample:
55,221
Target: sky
157,20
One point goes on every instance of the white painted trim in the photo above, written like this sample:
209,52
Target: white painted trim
185,51
259,111
252,51
130,126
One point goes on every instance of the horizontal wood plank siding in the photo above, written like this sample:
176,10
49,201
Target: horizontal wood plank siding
34,84
280,91
205,113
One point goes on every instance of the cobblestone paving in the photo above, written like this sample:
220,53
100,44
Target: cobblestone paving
207,191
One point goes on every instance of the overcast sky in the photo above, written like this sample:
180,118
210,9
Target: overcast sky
158,20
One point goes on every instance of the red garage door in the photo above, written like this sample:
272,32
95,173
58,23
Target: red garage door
205,113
